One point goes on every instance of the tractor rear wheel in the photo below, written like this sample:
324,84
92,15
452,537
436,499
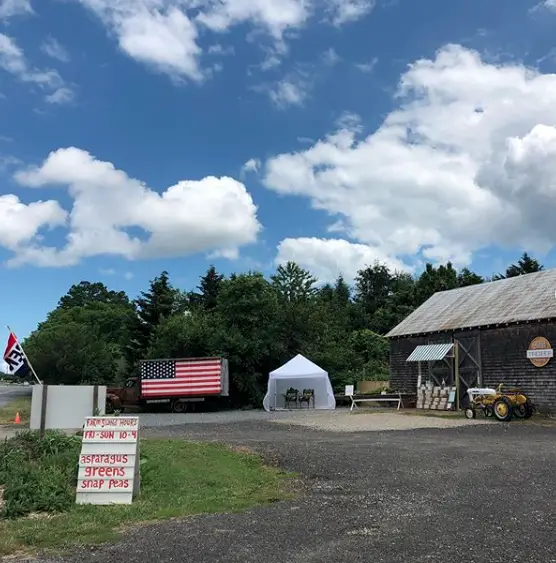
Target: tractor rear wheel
503,409
524,411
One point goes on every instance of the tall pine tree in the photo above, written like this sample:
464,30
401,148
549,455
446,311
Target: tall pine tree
158,303
210,287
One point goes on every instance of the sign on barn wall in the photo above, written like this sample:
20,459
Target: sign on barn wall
540,351
109,461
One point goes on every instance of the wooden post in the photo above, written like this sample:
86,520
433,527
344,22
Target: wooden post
456,368
44,404
95,400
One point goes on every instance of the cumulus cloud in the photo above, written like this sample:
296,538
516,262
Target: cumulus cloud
11,8
252,165
20,223
464,161
212,214
13,60
327,258
165,34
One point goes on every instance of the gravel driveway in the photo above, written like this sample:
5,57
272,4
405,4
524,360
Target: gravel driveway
339,420
482,493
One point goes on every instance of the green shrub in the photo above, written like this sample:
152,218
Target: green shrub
38,475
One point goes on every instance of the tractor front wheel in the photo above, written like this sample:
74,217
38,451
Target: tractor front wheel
470,413
503,409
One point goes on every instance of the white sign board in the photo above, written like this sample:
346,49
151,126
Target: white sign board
109,461
540,353
349,389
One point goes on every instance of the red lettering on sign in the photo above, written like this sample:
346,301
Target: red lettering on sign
118,484
94,484
107,435
104,472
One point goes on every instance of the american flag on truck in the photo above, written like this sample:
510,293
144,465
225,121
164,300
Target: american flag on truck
184,377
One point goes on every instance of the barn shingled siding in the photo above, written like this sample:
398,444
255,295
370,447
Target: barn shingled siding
504,359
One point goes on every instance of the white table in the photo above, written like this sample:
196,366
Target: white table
375,400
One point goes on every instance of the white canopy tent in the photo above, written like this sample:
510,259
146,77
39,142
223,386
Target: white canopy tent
299,373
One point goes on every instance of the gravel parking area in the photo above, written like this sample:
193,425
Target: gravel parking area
468,494
339,420
342,421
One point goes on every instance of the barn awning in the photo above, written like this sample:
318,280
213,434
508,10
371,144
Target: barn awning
430,352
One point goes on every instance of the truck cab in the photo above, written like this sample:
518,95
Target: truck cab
117,398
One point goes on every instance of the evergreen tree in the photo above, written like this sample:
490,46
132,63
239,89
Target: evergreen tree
153,306
210,286
294,283
525,265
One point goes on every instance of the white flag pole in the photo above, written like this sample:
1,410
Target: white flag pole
26,358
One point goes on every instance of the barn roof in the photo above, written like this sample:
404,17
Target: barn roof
524,298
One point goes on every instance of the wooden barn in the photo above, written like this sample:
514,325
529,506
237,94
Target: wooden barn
504,330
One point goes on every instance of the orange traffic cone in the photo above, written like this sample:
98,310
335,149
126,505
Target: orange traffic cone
17,418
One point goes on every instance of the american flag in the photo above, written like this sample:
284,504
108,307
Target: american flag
174,378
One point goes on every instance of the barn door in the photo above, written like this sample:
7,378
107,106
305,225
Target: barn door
470,372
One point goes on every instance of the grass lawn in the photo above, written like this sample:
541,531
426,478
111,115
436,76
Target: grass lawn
179,478
21,405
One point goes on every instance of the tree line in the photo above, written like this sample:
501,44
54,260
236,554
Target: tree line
97,335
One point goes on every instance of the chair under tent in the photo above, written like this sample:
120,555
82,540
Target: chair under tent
299,374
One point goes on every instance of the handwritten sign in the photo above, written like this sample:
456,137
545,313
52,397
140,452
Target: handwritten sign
109,461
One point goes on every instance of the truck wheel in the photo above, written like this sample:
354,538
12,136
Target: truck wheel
179,406
503,409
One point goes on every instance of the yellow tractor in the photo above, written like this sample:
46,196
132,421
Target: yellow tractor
500,403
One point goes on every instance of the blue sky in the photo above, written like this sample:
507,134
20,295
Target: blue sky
144,135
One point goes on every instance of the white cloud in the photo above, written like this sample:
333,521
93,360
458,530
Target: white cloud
53,48
158,34
292,90
550,4
10,8
275,16
212,214
330,57
344,11
252,165
367,67
20,223
218,49
466,160
327,258
62,95
165,34
13,60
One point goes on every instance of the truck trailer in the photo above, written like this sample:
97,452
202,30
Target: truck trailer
177,382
